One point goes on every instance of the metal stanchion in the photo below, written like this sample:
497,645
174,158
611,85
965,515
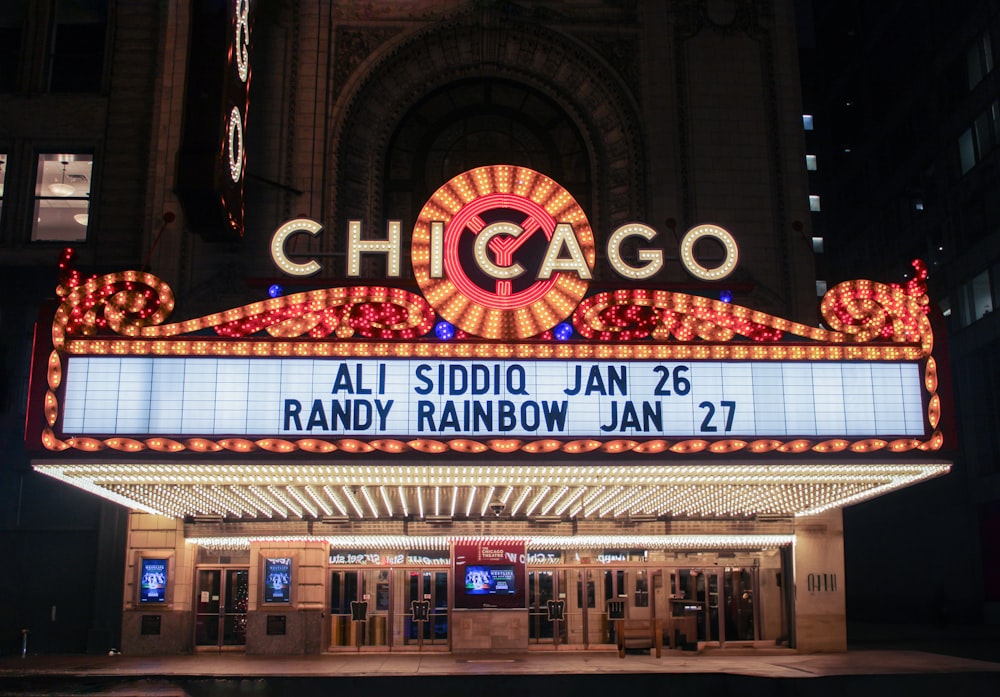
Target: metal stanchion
24,643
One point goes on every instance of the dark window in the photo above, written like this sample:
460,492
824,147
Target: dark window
12,15
979,59
979,140
76,49
3,174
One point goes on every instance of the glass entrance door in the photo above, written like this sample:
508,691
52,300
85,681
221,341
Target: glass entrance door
221,608
581,609
697,596
616,603
544,587
740,586
376,592
425,586
344,589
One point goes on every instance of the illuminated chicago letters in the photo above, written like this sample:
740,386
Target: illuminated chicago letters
563,252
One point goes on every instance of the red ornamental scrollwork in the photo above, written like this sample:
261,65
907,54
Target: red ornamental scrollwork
134,304
867,311
370,312
124,303
857,312
625,315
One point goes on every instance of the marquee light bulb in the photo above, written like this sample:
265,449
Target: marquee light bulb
444,331
563,331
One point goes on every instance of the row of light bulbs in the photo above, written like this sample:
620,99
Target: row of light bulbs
277,491
581,543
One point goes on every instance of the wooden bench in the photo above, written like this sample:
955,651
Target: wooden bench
639,634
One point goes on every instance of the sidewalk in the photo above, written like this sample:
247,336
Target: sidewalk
862,673
775,664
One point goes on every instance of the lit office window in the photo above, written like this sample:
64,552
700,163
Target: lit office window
811,163
807,122
814,203
62,197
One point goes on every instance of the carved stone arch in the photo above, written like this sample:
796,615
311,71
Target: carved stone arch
405,69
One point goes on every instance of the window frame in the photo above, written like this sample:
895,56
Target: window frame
65,155
54,59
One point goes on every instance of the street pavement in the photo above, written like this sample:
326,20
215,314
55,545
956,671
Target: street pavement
550,673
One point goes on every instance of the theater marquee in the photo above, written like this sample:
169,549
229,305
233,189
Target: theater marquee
506,349
413,398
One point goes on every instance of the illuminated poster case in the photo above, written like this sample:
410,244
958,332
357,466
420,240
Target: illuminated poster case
277,580
153,581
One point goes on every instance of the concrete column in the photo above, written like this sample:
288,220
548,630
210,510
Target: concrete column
820,605
168,628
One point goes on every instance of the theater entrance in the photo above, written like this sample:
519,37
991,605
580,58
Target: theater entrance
547,607
359,609
601,596
220,621
424,611
714,605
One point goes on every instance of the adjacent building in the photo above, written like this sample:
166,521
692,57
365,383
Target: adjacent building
904,100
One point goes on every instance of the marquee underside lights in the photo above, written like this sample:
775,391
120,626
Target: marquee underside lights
568,493
532,542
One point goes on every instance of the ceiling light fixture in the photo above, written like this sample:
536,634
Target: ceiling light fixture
61,188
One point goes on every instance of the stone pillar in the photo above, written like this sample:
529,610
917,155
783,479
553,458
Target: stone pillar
158,629
820,605
295,626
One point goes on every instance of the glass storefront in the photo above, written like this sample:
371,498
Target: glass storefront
577,604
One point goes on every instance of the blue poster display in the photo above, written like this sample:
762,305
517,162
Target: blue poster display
153,581
277,580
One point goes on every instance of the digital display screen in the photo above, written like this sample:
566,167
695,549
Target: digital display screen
302,397
153,581
277,580
490,580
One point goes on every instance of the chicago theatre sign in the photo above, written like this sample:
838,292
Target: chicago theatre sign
504,350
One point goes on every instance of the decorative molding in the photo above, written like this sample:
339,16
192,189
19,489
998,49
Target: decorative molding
405,68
